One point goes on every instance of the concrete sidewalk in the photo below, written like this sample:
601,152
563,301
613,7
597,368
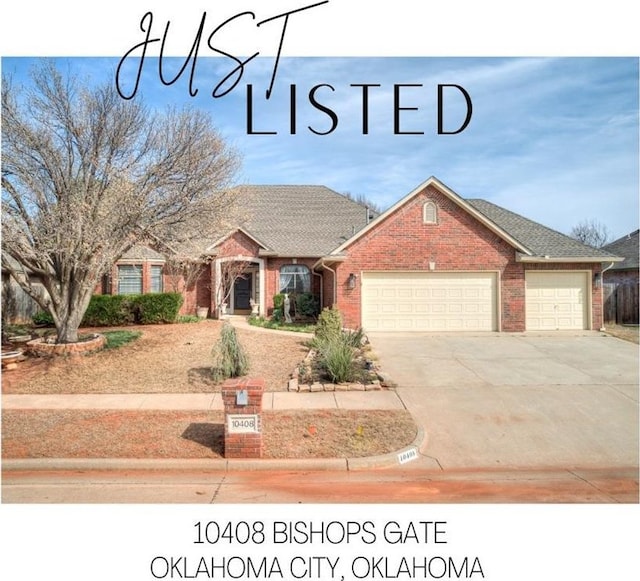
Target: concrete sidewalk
276,400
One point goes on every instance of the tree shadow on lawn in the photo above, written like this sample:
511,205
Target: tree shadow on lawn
208,435
201,376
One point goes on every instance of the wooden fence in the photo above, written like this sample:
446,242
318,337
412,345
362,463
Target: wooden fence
621,303
17,306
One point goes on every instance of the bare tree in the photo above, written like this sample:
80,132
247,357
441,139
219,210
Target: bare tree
361,199
86,175
183,271
591,232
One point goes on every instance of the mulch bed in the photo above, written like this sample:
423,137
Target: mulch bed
184,435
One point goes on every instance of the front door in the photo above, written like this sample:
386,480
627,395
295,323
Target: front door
242,293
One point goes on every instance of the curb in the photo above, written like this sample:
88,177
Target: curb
226,465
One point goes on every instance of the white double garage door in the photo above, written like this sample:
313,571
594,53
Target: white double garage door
469,301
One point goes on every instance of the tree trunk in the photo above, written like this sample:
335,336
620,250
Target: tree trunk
71,308
67,329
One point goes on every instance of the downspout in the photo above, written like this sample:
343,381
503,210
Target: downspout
335,282
321,285
605,270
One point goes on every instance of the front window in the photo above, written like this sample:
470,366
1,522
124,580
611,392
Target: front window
156,278
129,279
295,278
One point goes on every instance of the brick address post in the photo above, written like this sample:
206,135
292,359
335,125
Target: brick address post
242,399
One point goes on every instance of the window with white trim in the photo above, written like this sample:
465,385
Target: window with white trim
129,279
295,278
156,278
430,213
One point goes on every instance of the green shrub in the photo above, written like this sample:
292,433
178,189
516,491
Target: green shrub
278,308
354,338
329,326
43,318
278,301
229,357
337,359
157,307
307,305
109,311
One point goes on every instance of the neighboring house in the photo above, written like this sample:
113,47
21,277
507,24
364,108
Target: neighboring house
17,306
432,262
628,270
621,280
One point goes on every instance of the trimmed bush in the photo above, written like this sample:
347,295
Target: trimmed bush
329,326
156,308
109,311
307,305
229,357
278,301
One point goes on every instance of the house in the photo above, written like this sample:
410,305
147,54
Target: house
627,271
432,262
621,281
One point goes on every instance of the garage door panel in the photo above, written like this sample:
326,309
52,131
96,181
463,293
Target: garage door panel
429,301
557,300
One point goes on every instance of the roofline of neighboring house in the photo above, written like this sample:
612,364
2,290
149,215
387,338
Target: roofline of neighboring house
433,181
564,259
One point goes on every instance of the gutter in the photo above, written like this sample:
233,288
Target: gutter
322,264
561,259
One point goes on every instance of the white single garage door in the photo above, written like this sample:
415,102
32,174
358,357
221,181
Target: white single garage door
429,301
557,300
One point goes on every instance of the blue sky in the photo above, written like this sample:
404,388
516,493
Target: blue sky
555,139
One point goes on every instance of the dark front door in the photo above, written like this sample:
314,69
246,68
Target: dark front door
242,293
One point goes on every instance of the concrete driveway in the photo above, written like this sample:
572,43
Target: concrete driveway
515,401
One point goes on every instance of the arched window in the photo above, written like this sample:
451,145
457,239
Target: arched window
430,213
295,278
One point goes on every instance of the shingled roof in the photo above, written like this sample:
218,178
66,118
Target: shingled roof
539,239
628,248
301,220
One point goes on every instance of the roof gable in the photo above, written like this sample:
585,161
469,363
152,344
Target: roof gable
533,241
212,248
300,221
432,181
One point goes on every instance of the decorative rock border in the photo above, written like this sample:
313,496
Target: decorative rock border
294,383
41,346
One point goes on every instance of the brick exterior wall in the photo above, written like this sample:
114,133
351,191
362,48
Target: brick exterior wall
239,244
243,445
458,242
272,286
110,286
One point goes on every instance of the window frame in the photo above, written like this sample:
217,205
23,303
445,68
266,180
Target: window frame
128,279
429,212
304,277
159,278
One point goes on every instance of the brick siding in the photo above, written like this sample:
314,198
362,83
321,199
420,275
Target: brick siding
457,242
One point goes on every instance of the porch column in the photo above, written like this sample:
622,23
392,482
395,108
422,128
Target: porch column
262,285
